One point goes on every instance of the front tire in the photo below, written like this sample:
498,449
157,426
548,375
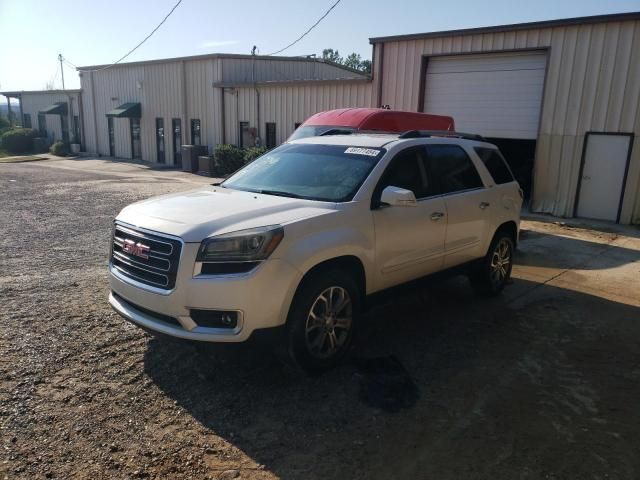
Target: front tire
494,271
322,320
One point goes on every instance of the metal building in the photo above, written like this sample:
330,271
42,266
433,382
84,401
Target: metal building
149,109
56,114
561,98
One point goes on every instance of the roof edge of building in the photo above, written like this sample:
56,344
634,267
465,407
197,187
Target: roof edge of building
35,92
275,83
611,17
211,56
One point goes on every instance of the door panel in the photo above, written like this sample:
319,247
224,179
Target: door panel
176,127
409,244
602,181
496,95
112,137
409,239
468,202
469,216
160,140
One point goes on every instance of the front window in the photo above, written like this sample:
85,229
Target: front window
331,173
316,130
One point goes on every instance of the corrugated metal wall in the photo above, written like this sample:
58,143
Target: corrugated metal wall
33,102
243,70
592,84
107,90
184,89
286,105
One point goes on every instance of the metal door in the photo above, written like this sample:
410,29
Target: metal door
112,137
603,174
136,147
160,140
176,128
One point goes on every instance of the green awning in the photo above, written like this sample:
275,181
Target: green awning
59,108
126,110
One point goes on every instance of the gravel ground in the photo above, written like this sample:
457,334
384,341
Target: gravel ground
542,382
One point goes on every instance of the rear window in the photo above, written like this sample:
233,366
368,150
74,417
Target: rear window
496,165
453,168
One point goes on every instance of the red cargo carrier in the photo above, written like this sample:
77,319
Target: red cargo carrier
371,120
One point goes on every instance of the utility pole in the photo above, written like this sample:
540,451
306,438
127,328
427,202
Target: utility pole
61,68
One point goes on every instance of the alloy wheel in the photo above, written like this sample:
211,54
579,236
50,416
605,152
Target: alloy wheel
501,262
329,322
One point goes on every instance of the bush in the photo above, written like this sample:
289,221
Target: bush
18,140
4,125
251,153
60,149
228,158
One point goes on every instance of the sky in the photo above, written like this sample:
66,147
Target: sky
34,32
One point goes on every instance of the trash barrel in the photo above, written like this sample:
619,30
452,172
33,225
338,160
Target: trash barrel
190,154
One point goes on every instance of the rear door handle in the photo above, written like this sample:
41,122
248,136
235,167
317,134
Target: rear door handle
435,216
484,205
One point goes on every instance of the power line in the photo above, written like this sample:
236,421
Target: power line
139,44
307,32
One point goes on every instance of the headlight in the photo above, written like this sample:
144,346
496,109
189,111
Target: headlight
245,245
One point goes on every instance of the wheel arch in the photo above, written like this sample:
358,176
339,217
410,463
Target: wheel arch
349,263
509,227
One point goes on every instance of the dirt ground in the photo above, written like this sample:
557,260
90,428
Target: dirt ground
540,383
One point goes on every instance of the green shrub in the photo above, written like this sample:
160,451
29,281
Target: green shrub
60,149
18,140
4,125
229,158
251,153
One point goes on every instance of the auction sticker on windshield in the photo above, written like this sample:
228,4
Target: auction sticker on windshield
363,151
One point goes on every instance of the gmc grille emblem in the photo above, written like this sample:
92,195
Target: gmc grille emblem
137,249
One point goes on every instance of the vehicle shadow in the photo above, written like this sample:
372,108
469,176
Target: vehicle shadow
461,379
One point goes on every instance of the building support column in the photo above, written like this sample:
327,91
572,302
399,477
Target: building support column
21,111
9,112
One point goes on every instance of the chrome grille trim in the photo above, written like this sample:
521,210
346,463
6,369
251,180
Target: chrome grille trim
159,270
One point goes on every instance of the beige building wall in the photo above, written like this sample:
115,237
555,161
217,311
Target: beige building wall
191,89
592,84
285,105
33,102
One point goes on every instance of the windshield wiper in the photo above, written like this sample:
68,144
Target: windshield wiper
280,194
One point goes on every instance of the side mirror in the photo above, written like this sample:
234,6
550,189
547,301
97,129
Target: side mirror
398,197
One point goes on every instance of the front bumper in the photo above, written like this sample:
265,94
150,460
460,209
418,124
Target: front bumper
261,298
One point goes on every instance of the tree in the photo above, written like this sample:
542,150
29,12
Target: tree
353,60
331,55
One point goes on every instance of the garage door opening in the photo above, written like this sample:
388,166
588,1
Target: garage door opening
496,95
520,155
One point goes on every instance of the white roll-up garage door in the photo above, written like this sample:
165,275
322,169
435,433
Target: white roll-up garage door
494,95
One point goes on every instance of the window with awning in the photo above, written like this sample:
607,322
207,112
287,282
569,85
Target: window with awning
126,110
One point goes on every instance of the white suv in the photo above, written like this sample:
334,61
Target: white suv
294,242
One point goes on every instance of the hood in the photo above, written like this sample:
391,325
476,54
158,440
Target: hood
197,214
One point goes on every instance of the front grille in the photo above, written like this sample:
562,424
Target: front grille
160,266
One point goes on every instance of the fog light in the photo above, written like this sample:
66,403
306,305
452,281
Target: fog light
215,318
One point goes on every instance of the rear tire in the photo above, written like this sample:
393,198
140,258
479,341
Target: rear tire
494,270
322,321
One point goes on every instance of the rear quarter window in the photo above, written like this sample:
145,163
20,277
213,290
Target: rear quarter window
496,165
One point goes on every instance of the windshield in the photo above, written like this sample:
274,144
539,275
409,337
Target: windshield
315,130
331,173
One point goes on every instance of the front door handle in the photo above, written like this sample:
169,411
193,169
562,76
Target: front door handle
484,205
435,216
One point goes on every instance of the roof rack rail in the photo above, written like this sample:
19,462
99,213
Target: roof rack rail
440,133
